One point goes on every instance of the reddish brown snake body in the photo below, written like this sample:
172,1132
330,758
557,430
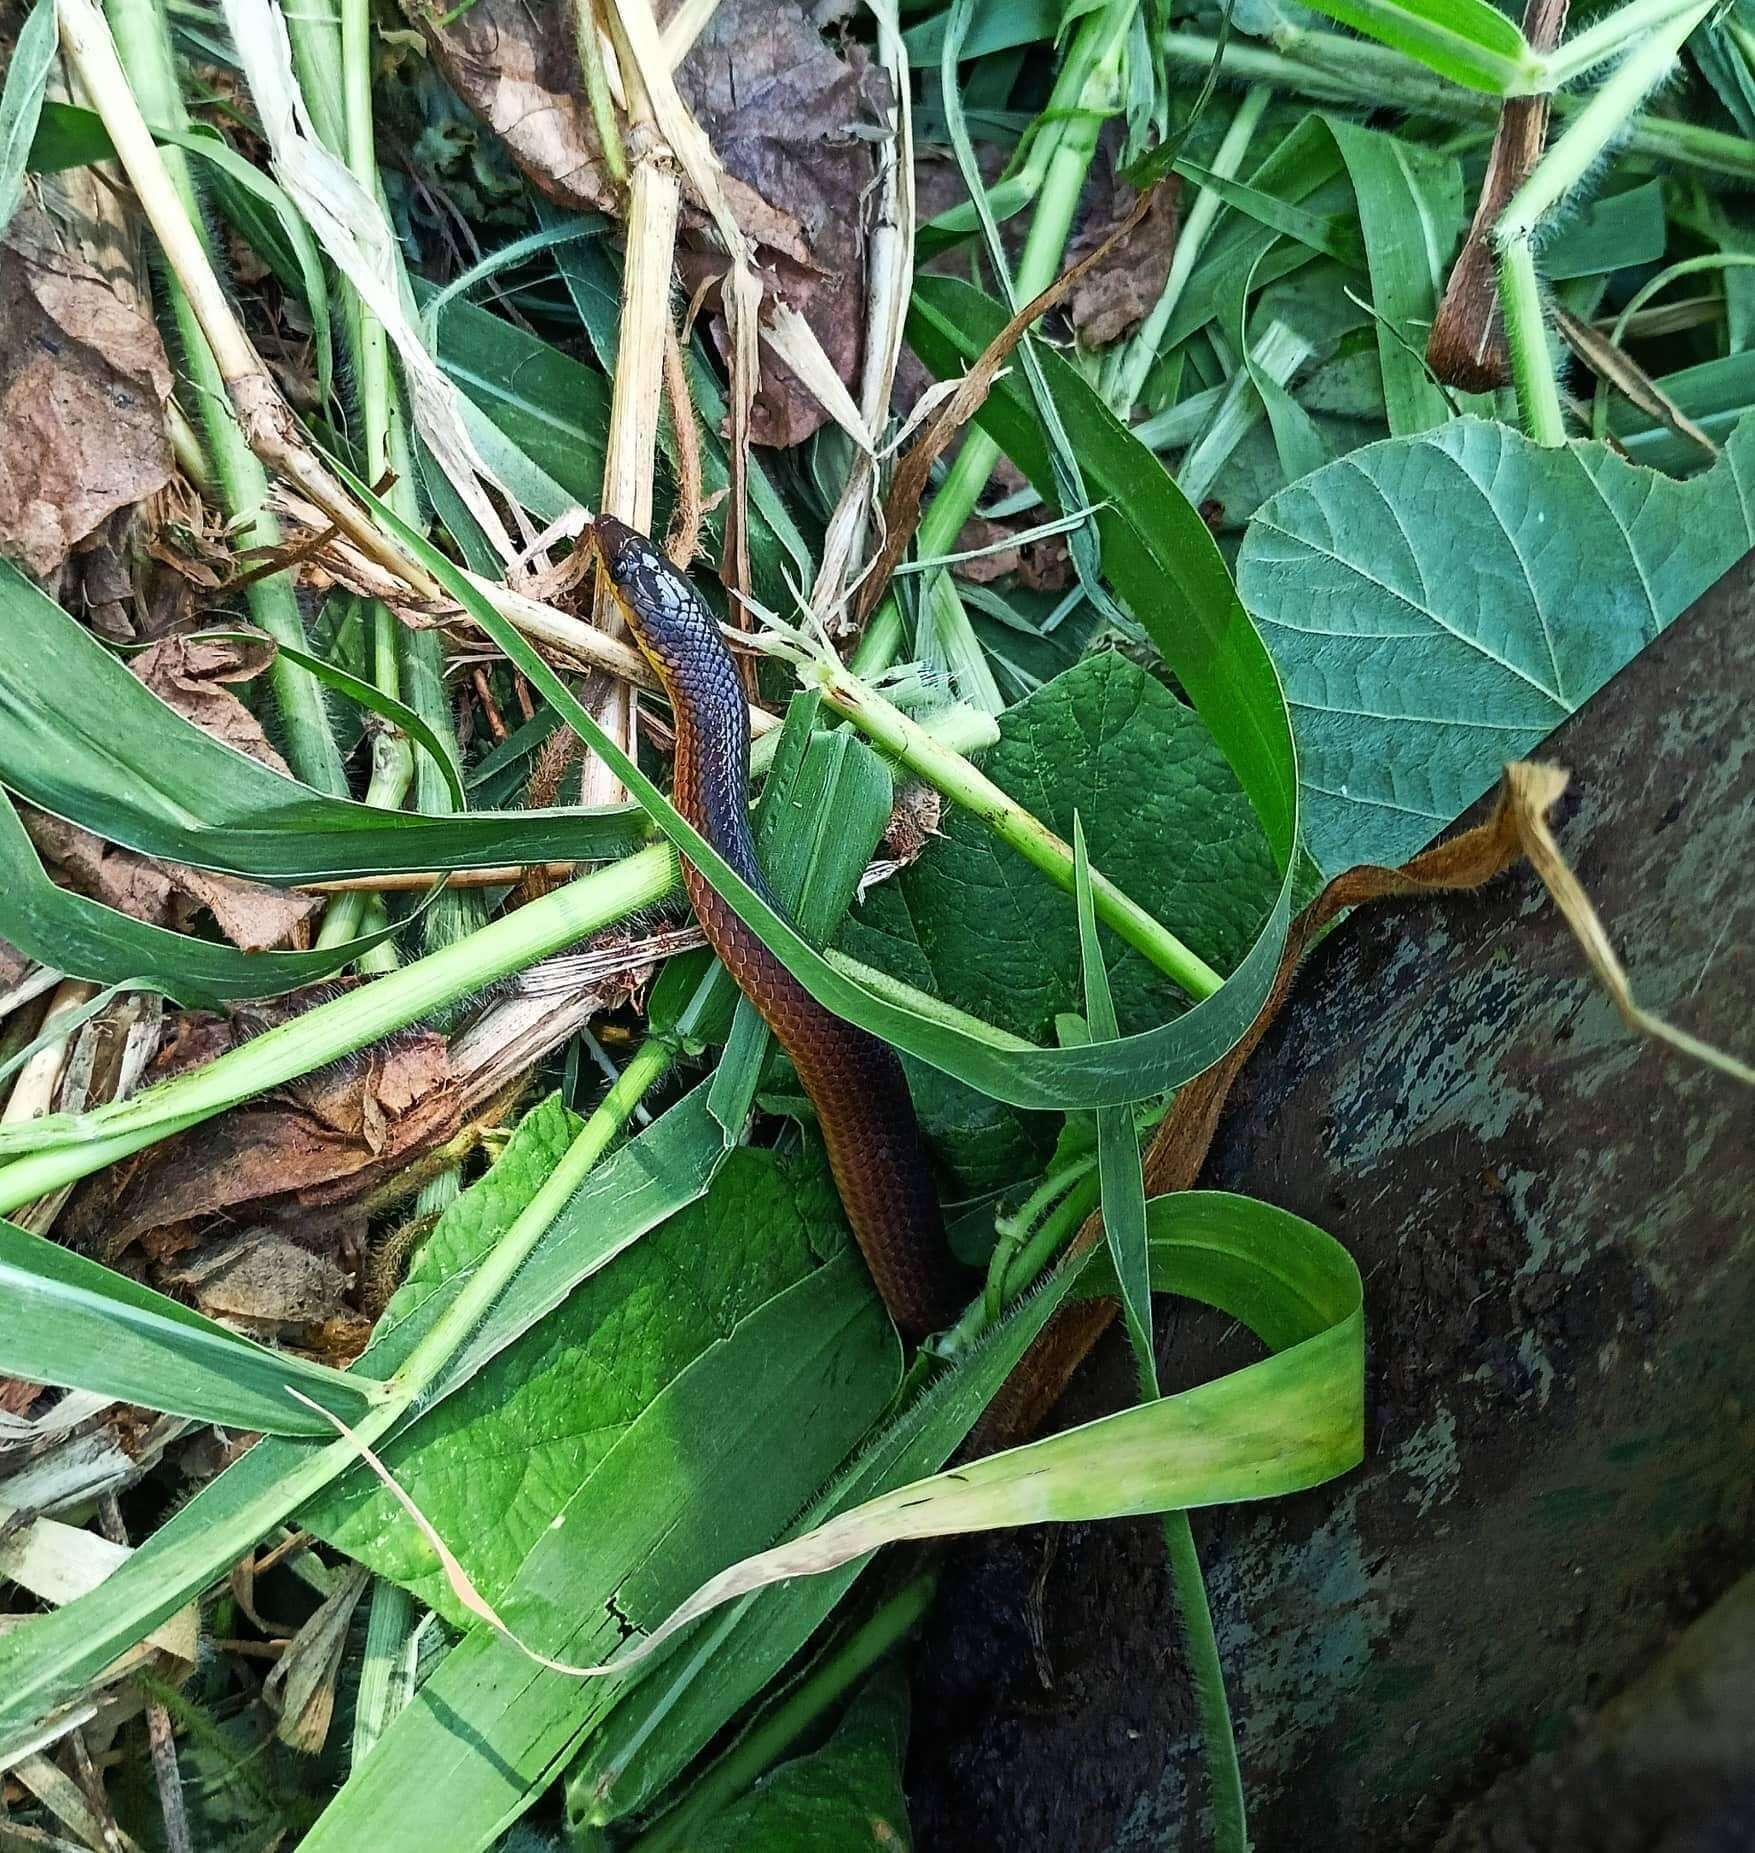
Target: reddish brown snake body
854,1081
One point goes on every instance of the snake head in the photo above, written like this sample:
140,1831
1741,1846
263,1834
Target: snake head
667,616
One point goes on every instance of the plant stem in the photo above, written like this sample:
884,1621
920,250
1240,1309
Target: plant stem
1526,339
1011,1231
773,1735
346,1023
906,740
1323,64
392,754
430,1355
1606,37
609,134
1597,124
1135,361
239,477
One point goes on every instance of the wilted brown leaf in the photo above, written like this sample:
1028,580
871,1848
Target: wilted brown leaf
1118,290
328,1139
253,917
263,1279
785,114
83,385
189,674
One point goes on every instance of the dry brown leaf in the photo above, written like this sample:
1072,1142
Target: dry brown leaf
262,1279
785,115
327,1140
189,674
83,385
1117,292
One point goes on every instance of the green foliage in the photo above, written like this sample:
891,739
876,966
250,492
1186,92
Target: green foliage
504,1453
971,923
844,1798
1439,604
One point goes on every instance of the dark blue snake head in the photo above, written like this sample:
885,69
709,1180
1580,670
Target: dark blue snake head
669,618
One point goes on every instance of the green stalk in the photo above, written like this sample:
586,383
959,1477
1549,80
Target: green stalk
346,1023
906,740
1325,65
421,1368
392,754
1201,1644
1606,38
1134,362
1526,336
772,1736
1598,123
1095,58
144,45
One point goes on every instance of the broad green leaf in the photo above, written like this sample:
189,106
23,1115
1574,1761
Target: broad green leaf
996,25
844,1798
969,922
81,737
505,1452
665,1713
720,1457
1469,41
73,1322
21,102
1440,604
635,1188
1621,232
67,136
1290,1422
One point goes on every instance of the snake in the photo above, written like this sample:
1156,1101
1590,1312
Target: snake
856,1086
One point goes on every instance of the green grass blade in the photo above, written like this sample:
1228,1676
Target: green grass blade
81,737
1290,1422
1118,1148
75,934
1468,41
72,1322
21,102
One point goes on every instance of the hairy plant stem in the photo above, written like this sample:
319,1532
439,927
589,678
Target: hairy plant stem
1598,123
1526,339
1326,65
238,476
1094,61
